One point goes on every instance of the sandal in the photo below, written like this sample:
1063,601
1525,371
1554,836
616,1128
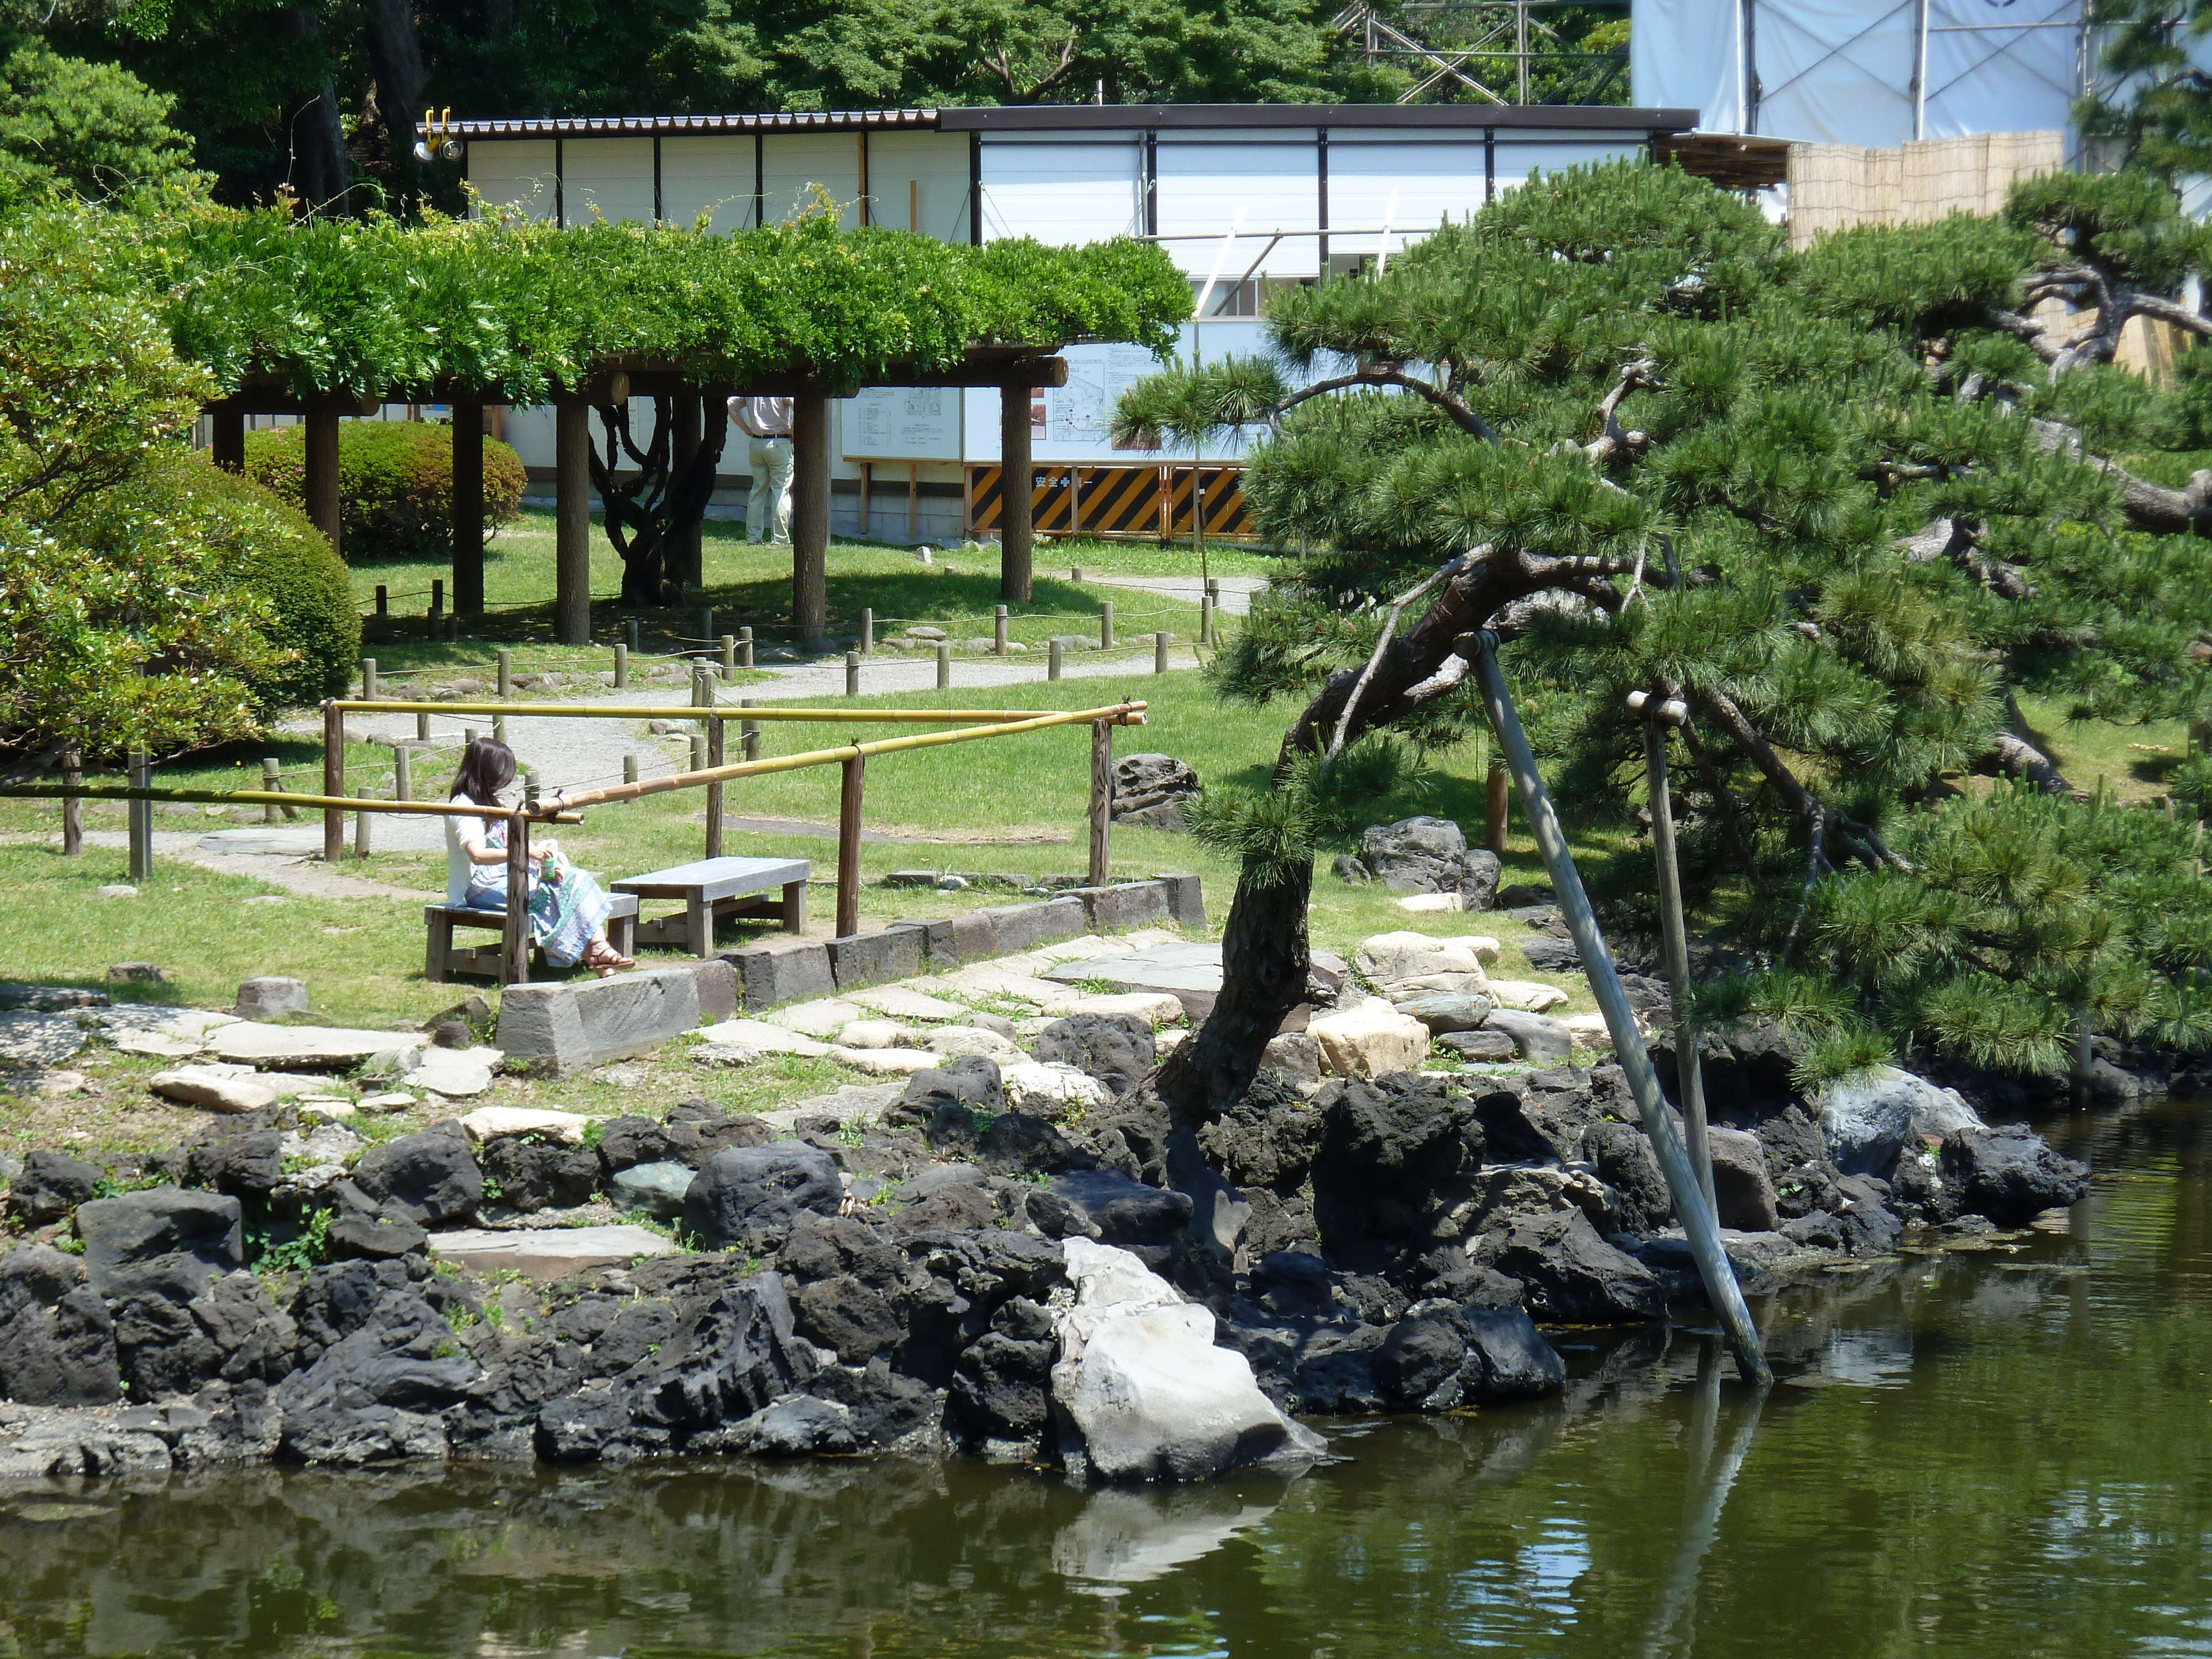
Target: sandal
602,959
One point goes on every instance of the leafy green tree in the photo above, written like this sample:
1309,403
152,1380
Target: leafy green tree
1840,502
2159,107
89,130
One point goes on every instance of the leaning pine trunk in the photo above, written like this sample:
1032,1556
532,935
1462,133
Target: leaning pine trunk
1264,952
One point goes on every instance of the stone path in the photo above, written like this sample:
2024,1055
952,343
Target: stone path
1237,592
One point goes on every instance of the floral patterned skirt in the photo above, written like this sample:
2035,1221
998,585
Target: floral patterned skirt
566,913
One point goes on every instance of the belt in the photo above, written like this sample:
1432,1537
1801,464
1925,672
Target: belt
773,438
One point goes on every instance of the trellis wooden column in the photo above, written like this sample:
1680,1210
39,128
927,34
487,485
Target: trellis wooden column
810,517
321,466
572,557
685,564
468,508
1017,545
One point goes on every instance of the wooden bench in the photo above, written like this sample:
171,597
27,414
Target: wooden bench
441,961
713,889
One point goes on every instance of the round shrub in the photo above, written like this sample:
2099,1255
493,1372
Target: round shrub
273,551
395,482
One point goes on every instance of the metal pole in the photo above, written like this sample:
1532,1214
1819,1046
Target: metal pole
1697,1216
141,816
1689,1065
1101,800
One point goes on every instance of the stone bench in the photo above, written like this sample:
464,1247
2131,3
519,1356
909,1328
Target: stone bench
441,960
713,889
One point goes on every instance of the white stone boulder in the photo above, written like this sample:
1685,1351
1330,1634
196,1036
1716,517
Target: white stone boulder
875,1034
762,1038
456,1073
951,1042
896,1002
1530,996
1409,964
884,1062
1153,1008
1046,1087
492,1123
1145,1390
1370,1040
331,1047
217,1088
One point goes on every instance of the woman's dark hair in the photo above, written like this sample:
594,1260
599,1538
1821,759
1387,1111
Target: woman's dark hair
487,768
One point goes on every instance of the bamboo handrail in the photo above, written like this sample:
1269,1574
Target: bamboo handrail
257,798
1123,714
687,711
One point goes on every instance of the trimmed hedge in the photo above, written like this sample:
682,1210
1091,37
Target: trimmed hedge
275,552
395,482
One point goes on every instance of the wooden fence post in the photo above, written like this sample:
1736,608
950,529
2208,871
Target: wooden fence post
505,673
319,463
334,782
848,846
1500,783
1053,653
715,742
810,520
1102,799
403,773
72,808
729,654
744,648
998,630
142,817
867,630
1016,480
1160,653
851,673
369,679
749,730
1105,624
271,781
622,667
944,665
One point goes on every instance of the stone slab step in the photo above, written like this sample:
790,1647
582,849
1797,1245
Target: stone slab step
546,1253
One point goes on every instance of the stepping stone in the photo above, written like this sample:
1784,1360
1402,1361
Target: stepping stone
1154,1007
271,838
385,1102
217,1088
725,1053
1419,903
491,1122
875,1034
1088,948
191,1024
823,1017
158,1045
329,1046
762,1038
543,1252
899,1003
951,1042
990,980
1189,972
456,1073
886,1063
1530,996
865,1101
43,1040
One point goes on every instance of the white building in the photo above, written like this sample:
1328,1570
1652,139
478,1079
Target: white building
1243,196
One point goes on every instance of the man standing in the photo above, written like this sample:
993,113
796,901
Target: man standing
767,423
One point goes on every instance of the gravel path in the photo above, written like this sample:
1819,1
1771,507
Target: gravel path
1237,592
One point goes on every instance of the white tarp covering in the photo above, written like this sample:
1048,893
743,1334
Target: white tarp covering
1842,71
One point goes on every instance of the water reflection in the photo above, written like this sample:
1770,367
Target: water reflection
2003,1457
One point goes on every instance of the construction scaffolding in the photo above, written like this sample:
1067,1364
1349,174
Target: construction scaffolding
1492,51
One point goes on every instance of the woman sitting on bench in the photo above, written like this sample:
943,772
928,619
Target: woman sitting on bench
567,910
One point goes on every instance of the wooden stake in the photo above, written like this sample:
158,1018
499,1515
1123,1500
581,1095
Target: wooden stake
1497,807
334,777
73,809
849,847
944,665
141,818
1102,799
714,751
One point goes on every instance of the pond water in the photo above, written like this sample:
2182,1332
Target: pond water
2003,1453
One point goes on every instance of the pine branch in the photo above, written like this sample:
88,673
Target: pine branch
1730,809
1860,839
1455,406
2148,507
1612,440
1383,643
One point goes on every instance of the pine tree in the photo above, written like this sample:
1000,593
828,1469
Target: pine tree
1847,504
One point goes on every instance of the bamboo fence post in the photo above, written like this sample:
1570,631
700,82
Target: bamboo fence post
514,936
714,751
1101,800
334,771
73,809
848,845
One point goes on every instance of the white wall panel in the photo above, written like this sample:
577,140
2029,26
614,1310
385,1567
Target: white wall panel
1428,179
918,181
609,177
1274,183
709,175
2002,71
1836,72
1064,192
517,171
1688,54
791,162
1516,162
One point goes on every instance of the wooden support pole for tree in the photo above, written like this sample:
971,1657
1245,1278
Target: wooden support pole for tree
72,808
848,846
572,535
1101,800
1017,542
514,936
467,529
334,773
1497,808
810,520
1689,1067
1699,1223
227,439
714,757
320,462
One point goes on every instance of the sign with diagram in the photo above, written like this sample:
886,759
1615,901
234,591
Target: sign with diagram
903,423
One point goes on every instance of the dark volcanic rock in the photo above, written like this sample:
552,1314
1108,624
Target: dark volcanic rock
379,1390
1115,1049
1266,1137
748,1197
248,1165
163,1242
57,1338
1121,1211
970,1082
425,1178
1625,1163
51,1184
532,1175
1570,1274
2010,1173
1743,1191
1441,1357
